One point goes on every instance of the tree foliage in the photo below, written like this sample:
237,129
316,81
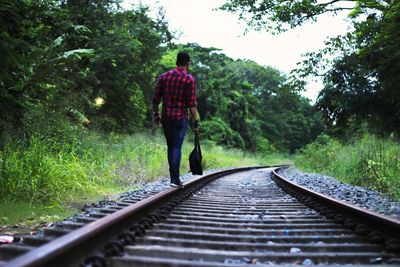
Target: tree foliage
72,65
277,15
365,79
58,57
245,105
361,81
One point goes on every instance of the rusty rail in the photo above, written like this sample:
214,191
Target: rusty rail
95,236
356,216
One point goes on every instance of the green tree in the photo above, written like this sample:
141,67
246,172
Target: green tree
361,81
366,79
277,15
19,28
60,56
239,98
125,65
42,65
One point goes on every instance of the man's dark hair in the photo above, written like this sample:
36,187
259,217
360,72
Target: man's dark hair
182,59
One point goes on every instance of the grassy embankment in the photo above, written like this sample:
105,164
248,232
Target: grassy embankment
368,161
43,181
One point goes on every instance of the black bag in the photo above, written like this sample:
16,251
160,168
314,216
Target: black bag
195,157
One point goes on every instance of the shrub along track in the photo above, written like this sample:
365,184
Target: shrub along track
246,216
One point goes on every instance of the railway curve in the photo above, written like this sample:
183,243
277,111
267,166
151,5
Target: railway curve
236,217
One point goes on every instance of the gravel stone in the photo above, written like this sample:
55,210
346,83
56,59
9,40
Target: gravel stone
141,190
360,196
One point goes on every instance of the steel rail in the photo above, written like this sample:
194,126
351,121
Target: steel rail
387,225
84,241
247,219
74,247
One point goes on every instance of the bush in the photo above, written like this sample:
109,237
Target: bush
219,132
369,161
35,172
53,170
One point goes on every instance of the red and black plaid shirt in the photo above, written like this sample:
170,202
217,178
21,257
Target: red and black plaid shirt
177,90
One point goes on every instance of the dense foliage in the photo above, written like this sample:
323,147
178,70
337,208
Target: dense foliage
74,65
75,74
361,86
367,161
98,166
245,105
361,82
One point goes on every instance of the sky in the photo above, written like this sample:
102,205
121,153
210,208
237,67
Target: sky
199,22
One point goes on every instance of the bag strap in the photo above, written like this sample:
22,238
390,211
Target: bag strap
197,142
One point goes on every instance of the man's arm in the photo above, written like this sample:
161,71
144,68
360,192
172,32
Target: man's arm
156,101
192,103
193,114
155,108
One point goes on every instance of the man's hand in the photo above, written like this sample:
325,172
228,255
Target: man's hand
196,126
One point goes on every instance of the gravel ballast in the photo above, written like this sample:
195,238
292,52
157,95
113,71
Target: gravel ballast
360,196
144,190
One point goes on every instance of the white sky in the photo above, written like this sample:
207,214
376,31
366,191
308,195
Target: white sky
200,24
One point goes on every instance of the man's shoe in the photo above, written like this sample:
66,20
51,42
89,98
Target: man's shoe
178,185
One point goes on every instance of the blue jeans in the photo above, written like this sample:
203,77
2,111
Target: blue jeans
174,131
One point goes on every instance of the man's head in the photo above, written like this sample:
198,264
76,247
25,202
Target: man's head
182,59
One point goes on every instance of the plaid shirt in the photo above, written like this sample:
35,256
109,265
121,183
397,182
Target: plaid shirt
177,90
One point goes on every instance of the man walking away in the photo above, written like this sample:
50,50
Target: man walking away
177,89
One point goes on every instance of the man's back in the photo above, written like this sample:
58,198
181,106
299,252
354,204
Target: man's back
177,90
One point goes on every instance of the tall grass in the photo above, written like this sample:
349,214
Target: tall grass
368,161
37,171
45,170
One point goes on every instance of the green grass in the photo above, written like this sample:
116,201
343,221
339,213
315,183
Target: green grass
220,157
368,161
25,217
45,178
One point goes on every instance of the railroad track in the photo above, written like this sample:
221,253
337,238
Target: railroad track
245,217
